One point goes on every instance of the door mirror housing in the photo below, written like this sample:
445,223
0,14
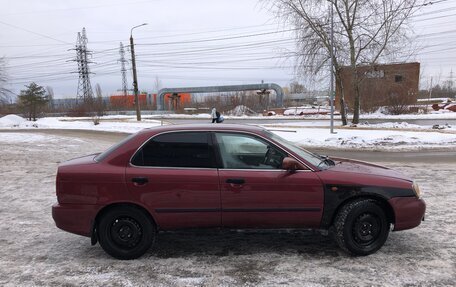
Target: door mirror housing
291,164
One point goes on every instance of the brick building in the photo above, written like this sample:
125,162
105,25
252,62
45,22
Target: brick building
118,100
381,85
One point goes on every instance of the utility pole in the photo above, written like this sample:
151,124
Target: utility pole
429,99
135,78
331,54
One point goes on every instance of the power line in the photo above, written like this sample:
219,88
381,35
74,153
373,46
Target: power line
32,32
217,39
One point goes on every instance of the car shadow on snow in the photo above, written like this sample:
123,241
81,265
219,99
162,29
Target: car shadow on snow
215,244
246,242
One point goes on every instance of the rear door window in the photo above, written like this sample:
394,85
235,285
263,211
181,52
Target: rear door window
179,149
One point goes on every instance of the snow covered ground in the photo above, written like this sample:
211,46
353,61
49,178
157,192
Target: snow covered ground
387,136
123,124
373,140
33,252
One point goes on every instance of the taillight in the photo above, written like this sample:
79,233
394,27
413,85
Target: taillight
57,184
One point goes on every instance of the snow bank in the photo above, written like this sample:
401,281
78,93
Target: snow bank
391,125
306,110
11,121
368,139
242,110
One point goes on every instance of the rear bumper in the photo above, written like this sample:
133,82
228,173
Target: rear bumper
408,212
75,218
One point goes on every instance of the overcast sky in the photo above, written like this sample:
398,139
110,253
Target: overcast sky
186,43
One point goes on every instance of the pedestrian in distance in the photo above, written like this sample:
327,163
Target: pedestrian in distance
214,115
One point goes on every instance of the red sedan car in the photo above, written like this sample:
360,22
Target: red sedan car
227,176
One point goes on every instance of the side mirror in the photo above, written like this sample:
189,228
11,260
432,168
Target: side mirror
291,164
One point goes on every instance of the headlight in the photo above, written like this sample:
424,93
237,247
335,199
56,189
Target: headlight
416,189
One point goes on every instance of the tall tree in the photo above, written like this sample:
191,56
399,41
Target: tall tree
296,87
99,106
365,33
4,99
157,84
32,99
50,97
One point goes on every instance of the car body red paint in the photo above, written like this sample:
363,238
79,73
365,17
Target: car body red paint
179,197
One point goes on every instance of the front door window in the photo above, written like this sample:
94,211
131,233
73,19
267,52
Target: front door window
240,151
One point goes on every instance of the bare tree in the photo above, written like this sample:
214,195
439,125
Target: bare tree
296,88
99,106
365,33
50,97
4,98
397,105
157,84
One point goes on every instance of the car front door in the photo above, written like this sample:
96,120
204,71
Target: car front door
257,193
174,175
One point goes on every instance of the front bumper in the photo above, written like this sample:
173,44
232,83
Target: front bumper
75,218
408,212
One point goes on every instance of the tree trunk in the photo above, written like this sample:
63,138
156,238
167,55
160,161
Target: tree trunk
356,102
340,88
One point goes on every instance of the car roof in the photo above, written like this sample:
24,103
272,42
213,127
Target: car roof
205,127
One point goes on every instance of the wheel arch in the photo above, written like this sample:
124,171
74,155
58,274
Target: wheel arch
383,203
94,235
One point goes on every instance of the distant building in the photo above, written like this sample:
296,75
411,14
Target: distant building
128,101
380,85
172,101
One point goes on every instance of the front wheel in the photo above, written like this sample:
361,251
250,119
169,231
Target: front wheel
361,227
125,232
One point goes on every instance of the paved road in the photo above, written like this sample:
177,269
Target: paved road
424,156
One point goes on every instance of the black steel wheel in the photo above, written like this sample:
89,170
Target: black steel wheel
361,227
125,232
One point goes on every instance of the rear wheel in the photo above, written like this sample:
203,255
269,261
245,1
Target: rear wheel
361,227
125,232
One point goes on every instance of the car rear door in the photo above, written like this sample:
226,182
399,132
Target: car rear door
257,193
174,175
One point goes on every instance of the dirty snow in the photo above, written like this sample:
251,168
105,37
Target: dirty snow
33,252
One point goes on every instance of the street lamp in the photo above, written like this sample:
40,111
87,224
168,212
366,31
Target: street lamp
135,79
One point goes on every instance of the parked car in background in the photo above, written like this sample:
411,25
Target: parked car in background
228,176
448,105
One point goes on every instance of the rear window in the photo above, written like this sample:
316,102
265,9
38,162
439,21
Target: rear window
106,153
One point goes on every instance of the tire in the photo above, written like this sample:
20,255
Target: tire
126,232
361,227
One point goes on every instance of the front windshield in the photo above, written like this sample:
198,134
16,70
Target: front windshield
312,158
